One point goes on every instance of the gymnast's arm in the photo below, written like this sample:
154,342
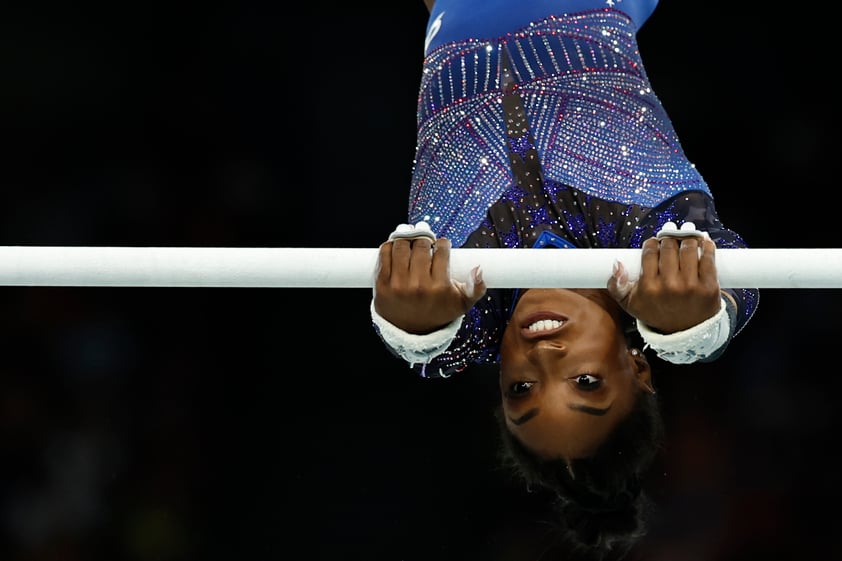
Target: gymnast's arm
680,308
417,308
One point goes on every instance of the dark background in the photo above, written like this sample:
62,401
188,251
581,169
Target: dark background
174,424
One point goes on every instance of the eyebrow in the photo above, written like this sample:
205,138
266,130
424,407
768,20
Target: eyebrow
525,417
574,406
589,410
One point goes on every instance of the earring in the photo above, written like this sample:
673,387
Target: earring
634,352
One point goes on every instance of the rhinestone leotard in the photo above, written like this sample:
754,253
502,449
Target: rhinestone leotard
546,131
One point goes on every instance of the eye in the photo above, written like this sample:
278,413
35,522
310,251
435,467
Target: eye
519,389
587,382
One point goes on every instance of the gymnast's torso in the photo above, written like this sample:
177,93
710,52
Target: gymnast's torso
545,132
593,120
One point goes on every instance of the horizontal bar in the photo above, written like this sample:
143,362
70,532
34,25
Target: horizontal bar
354,267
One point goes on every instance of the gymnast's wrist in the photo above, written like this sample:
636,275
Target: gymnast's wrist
694,344
414,348
409,323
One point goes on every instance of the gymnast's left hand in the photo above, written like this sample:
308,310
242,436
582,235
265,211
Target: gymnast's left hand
413,288
678,286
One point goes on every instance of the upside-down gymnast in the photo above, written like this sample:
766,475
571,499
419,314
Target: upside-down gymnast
538,128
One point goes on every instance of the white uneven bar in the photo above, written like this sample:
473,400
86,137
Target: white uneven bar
354,267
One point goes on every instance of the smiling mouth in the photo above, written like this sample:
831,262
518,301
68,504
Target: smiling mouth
545,325
542,324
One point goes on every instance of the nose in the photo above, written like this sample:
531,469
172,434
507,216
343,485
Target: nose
545,351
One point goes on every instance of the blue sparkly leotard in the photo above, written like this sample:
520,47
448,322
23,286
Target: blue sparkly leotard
538,127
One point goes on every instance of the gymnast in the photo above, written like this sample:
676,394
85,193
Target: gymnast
538,128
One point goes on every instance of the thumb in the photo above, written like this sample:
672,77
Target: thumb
474,288
619,285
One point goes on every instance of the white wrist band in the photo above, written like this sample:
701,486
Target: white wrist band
693,344
415,349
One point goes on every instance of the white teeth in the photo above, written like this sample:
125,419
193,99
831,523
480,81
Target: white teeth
545,325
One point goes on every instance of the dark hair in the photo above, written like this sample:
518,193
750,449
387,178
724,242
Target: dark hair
602,507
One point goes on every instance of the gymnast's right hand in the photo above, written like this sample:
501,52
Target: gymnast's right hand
413,289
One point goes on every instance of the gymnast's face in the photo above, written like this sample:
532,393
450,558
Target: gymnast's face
567,376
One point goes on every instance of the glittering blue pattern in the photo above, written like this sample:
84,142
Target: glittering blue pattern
596,123
576,149
520,146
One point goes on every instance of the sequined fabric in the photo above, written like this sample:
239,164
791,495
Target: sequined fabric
551,132
596,123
